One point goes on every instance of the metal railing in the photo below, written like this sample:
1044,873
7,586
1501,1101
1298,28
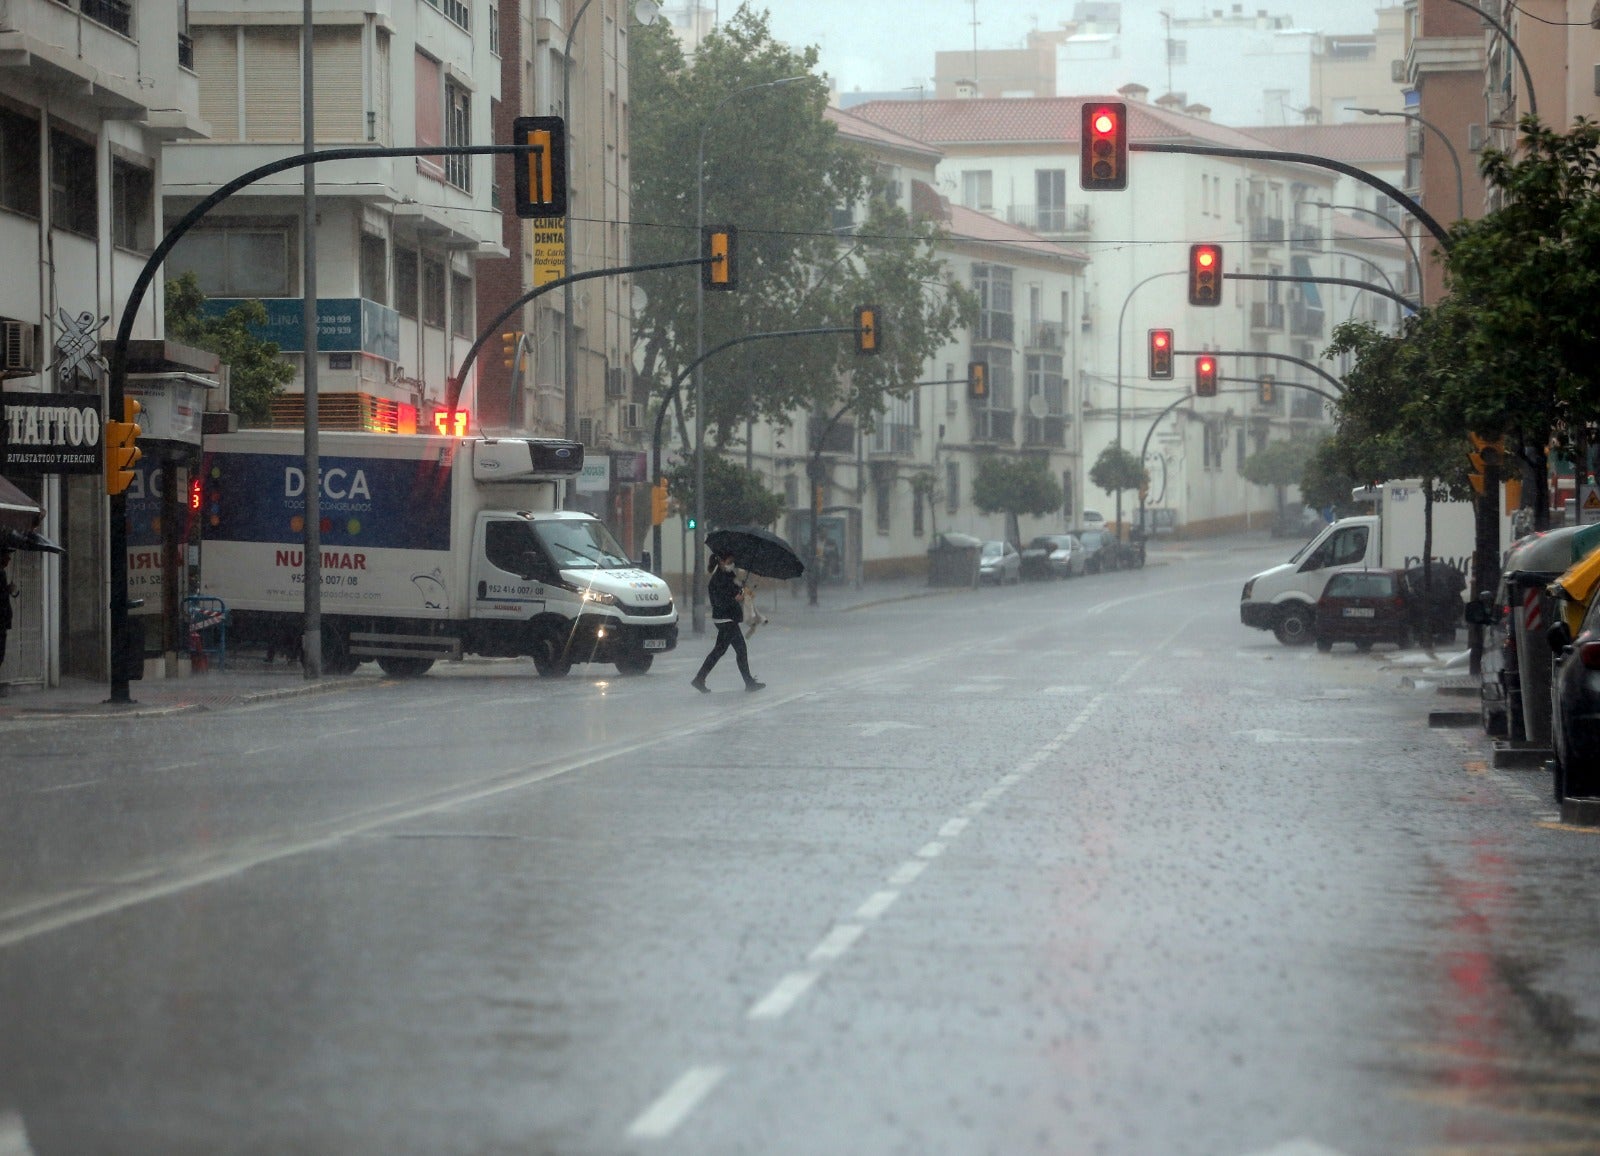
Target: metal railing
1266,315
114,14
1266,230
994,425
1046,335
893,438
1306,321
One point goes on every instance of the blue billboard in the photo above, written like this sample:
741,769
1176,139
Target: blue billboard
344,324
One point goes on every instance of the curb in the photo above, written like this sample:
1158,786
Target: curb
102,710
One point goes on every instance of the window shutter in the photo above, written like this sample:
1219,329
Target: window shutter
430,112
336,84
216,63
272,84
381,83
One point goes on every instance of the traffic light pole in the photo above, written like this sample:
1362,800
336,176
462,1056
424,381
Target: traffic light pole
1300,361
1403,302
670,397
116,390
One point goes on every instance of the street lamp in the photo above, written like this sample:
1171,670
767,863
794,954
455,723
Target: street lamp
1404,236
1455,157
698,608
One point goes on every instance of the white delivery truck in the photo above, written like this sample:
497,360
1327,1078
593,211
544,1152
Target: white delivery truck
1284,598
432,548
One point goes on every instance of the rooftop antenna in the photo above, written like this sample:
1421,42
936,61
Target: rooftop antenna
975,45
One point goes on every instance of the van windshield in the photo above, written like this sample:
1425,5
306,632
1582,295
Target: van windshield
581,544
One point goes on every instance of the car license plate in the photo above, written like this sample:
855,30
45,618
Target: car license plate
661,643
1360,612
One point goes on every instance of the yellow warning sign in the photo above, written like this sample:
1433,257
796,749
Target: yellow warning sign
549,249
1591,498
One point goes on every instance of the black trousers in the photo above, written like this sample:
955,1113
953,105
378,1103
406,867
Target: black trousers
728,634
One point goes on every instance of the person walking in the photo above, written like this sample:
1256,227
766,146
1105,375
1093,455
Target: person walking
727,611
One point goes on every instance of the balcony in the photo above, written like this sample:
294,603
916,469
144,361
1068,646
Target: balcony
1049,431
994,425
1047,335
992,326
893,438
1267,316
1050,220
1305,237
1306,320
1266,230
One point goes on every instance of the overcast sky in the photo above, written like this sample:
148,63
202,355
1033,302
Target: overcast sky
882,45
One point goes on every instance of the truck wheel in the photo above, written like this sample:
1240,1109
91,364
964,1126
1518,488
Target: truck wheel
635,664
336,656
396,667
1325,645
550,658
1294,625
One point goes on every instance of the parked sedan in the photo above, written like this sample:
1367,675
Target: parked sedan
1363,607
1098,550
1052,556
999,562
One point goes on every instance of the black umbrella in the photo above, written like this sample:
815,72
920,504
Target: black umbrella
756,550
28,540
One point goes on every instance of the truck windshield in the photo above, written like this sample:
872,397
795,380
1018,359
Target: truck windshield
581,545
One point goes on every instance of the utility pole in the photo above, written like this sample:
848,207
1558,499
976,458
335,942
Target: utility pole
311,643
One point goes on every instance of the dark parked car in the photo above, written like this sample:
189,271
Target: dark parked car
1052,556
1363,607
1575,706
1097,549
1434,600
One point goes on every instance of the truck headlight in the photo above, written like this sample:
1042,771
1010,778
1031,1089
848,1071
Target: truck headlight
600,597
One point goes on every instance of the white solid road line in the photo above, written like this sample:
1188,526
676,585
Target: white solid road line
876,904
836,943
783,996
673,1106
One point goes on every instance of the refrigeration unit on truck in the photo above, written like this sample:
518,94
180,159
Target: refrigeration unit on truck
1283,599
431,548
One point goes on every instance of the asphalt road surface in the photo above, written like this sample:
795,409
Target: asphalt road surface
1079,867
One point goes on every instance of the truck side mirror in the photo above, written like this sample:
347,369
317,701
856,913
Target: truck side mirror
1559,636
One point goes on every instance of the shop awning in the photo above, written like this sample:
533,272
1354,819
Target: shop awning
17,511
1301,267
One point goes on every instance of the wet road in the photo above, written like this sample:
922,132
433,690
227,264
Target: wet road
1073,868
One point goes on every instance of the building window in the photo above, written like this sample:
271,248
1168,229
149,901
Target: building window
918,520
116,15
883,493
73,204
494,29
457,131
405,283
433,293
235,262
977,189
1239,445
456,10
19,163
461,305
132,206
992,284
1050,197
1067,497
952,486
374,268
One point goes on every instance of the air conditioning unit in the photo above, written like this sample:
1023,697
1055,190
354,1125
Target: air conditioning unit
633,416
1397,71
616,383
1475,138
586,430
17,347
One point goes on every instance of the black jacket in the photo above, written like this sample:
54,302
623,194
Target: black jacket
723,590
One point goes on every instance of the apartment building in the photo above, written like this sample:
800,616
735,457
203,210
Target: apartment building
92,92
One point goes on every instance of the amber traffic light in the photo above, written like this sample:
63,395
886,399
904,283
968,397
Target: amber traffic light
1205,376
869,330
1103,146
1161,355
1205,274
978,380
719,248
658,502
1269,389
122,454
541,172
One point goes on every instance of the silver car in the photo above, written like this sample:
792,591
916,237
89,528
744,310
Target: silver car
999,562
1053,556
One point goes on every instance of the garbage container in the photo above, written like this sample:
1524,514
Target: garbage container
1531,567
953,560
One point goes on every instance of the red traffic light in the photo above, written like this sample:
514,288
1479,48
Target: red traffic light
1205,274
1205,376
1160,355
1103,146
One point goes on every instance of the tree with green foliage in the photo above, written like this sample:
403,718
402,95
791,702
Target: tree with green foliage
1279,464
735,496
1118,468
256,374
1528,277
1015,486
775,169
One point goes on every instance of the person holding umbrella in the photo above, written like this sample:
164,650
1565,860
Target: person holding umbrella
727,611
